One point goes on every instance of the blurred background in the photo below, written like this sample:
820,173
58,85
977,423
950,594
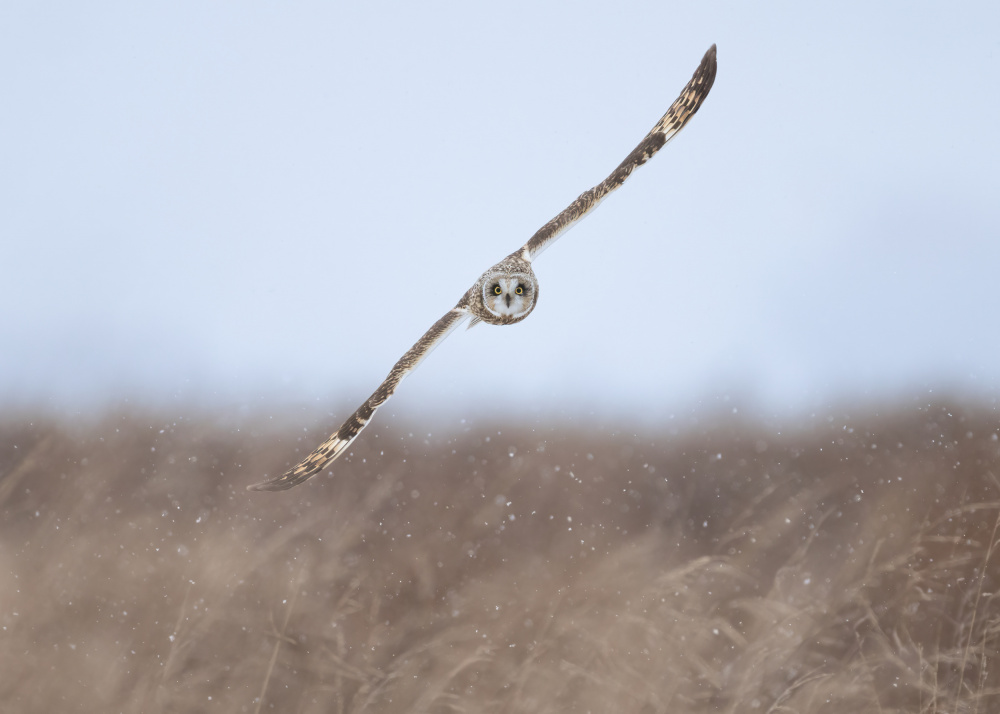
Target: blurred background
755,411
259,205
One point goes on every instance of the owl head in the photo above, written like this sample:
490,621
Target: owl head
506,293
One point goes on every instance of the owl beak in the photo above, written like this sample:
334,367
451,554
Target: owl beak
507,296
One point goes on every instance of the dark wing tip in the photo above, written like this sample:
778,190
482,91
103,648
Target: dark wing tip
709,60
707,68
700,85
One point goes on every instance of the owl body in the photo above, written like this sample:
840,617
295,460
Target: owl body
504,294
507,292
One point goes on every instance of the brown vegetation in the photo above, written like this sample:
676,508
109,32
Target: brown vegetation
844,565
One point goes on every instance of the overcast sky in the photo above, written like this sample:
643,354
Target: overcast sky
268,203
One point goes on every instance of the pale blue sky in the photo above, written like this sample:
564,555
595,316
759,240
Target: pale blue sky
268,203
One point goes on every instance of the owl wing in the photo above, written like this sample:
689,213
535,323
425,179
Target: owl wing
349,430
683,108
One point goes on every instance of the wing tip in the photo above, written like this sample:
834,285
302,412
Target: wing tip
275,485
709,66
701,83
286,481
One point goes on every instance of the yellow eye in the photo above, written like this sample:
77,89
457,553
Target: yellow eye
519,290
497,290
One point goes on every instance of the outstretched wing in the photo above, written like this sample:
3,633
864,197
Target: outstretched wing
349,430
683,108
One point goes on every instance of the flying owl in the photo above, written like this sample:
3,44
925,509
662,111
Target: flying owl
507,292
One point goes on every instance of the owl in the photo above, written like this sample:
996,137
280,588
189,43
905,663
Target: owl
507,292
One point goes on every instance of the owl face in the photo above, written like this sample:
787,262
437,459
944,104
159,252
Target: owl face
509,297
504,294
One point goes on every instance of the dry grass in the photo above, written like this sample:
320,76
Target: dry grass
846,565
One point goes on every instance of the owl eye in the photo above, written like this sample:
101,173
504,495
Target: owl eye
497,290
519,290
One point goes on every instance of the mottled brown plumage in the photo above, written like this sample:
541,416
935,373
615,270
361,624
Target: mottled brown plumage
507,292
340,439
683,108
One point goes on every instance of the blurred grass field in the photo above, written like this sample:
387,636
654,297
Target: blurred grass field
841,563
